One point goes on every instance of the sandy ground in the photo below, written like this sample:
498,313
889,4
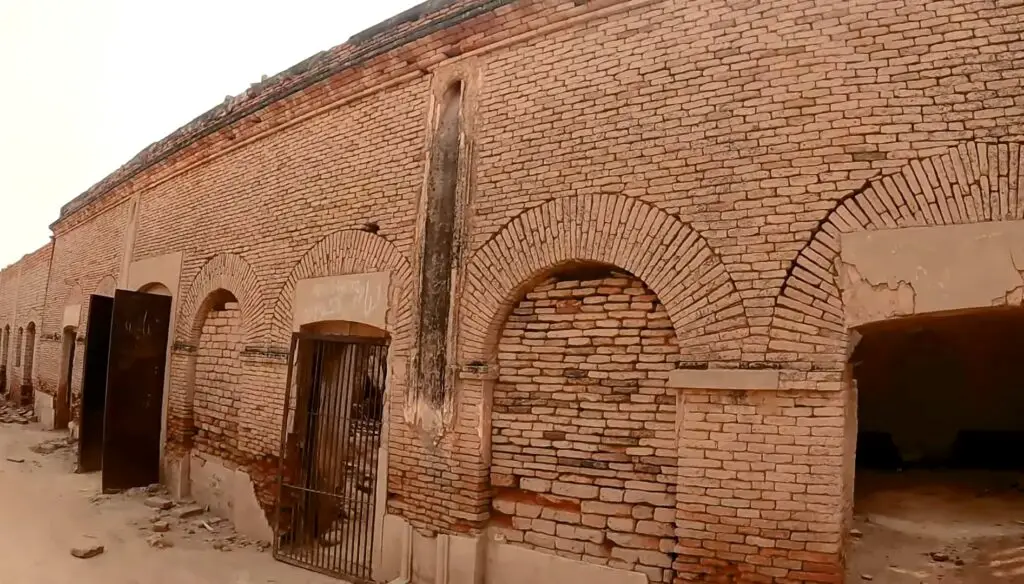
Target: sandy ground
928,527
45,509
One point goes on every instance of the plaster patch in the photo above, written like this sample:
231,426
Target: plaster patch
920,270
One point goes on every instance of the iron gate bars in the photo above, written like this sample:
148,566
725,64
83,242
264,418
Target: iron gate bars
331,434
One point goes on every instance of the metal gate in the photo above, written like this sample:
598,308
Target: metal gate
330,438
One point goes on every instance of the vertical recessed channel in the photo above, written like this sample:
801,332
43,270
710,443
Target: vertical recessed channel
438,246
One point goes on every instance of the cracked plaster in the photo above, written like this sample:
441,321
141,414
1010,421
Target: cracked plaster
919,270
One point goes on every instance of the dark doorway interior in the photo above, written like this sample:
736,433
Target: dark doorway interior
942,393
135,386
940,449
326,509
94,383
63,404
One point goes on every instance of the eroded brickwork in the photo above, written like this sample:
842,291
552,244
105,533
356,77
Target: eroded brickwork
584,445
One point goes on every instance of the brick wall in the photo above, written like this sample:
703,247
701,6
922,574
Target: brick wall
86,260
218,370
761,485
584,447
714,150
23,298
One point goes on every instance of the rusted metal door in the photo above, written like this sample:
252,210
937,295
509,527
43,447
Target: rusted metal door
94,383
135,389
330,441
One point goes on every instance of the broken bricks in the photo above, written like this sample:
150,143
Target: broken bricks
159,503
158,541
86,550
186,511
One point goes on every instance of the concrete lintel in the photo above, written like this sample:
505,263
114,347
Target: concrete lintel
360,298
725,379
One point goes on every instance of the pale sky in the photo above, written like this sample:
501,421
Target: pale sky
87,84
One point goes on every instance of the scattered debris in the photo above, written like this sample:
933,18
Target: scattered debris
158,541
15,459
51,446
13,414
159,503
856,533
207,526
87,550
161,526
919,575
867,577
939,556
187,511
156,489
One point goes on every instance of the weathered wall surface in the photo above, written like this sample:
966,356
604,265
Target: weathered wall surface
87,256
216,401
716,151
24,289
584,427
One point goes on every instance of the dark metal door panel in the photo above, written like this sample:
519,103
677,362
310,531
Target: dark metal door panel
135,388
94,383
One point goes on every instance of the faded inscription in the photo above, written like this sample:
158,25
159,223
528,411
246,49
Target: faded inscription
353,298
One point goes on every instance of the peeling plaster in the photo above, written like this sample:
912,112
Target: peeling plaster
868,301
900,272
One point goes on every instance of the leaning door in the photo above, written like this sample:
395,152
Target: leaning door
135,390
94,383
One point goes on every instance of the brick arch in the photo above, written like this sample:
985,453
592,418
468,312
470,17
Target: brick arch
350,252
669,256
106,286
972,182
222,272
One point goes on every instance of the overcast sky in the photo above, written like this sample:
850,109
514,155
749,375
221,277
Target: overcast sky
86,84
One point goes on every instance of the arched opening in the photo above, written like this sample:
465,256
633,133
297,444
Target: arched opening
583,455
333,423
62,411
156,288
29,362
940,442
212,414
5,340
19,341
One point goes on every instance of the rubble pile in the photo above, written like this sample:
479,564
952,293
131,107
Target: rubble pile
15,414
186,521
51,446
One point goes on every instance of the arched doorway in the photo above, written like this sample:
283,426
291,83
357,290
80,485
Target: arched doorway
62,412
28,364
583,458
333,424
214,424
5,342
155,288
